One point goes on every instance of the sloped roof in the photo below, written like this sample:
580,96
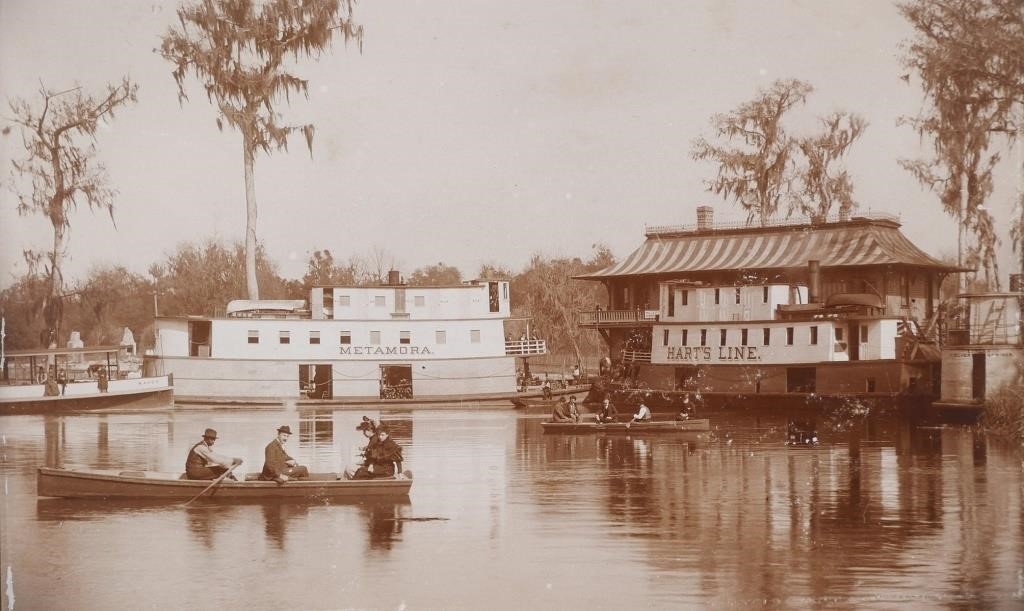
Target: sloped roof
857,242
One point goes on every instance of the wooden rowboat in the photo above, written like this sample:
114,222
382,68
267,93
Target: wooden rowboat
111,484
697,425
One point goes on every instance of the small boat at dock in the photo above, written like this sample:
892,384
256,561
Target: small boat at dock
114,484
697,425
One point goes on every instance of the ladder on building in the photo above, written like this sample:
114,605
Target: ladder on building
989,328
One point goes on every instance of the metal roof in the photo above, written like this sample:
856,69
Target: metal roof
858,242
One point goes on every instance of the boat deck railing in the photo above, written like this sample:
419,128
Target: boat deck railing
525,347
636,356
597,318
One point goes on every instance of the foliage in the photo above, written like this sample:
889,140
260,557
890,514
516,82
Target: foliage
546,292
968,55
59,138
1004,412
758,173
493,271
237,49
203,278
435,275
323,271
824,187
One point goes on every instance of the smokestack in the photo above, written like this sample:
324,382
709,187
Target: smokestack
1016,284
705,217
813,281
394,278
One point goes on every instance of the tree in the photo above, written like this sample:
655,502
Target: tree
237,49
59,137
971,85
492,271
823,186
323,271
435,275
758,173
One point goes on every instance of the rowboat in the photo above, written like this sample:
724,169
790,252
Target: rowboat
113,484
697,425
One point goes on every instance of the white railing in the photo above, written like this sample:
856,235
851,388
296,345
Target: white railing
655,230
600,317
636,356
525,347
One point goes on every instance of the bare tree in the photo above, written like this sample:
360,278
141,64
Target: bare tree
757,173
59,138
237,49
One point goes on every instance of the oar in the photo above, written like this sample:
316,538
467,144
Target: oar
215,482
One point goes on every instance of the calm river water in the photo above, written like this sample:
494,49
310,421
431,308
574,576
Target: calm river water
882,514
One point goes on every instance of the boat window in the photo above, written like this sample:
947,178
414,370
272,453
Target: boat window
403,337
839,334
314,337
685,298
767,336
722,334
345,337
441,337
284,337
718,296
789,336
419,301
254,336
671,302
378,300
474,336
737,295
375,338
764,297
665,338
344,300
743,337
703,337
863,334
814,335
684,337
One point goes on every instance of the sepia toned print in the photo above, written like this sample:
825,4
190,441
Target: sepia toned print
320,304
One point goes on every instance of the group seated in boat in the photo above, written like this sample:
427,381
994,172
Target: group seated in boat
565,412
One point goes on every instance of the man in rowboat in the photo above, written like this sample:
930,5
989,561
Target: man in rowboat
277,465
608,412
561,412
643,414
203,463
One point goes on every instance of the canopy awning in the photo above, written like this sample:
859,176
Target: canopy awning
848,244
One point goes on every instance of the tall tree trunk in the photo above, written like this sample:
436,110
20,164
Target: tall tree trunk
964,202
53,309
251,284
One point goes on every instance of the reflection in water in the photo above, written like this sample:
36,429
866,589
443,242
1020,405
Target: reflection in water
277,516
882,509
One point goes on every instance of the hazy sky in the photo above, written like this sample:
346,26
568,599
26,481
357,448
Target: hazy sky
467,132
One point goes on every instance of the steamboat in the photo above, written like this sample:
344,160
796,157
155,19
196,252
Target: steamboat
391,342
833,307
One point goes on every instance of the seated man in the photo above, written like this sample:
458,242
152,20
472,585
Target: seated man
546,389
561,412
608,412
574,411
383,457
203,463
643,414
277,465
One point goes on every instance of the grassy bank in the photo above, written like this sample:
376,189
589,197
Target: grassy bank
1004,413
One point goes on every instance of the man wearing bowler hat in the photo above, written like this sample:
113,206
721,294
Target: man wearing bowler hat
277,465
204,463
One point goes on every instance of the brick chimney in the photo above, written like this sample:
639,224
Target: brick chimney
705,217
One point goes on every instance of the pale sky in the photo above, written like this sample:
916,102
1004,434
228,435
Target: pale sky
468,132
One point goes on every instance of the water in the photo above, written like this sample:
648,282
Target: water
881,513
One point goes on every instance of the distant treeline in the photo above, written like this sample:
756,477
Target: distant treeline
200,278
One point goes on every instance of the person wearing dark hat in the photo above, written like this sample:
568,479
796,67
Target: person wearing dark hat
203,463
383,458
277,465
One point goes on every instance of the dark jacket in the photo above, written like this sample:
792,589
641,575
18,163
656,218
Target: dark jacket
274,458
383,456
